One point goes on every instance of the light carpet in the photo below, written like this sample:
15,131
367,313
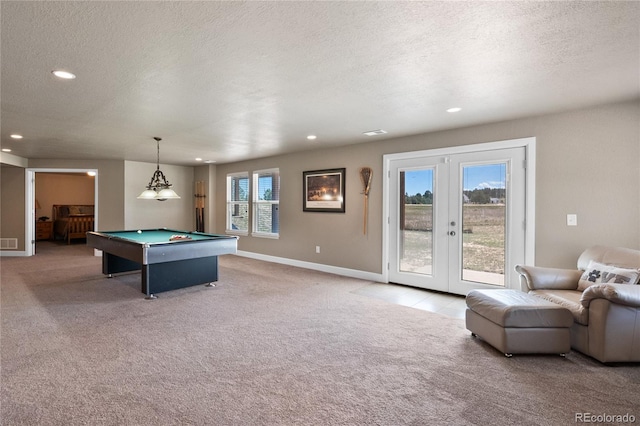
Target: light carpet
270,345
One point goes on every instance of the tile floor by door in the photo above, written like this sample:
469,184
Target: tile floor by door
443,303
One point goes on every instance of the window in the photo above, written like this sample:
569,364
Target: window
266,203
238,203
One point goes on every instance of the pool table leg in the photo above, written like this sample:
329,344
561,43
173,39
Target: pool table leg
146,289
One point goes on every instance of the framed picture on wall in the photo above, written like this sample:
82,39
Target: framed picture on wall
323,191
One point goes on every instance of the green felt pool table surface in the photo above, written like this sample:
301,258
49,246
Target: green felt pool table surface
154,236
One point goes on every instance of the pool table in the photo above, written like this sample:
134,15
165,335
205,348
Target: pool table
165,264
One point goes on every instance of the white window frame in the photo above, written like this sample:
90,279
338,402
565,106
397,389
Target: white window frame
257,203
230,203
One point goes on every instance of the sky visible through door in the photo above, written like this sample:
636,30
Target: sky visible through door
479,177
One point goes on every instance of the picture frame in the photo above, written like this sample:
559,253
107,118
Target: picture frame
324,190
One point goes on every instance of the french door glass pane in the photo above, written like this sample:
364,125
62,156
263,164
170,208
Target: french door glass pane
483,223
416,221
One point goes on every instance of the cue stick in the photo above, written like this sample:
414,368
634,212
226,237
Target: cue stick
199,205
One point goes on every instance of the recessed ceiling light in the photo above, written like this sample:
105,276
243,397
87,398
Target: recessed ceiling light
455,109
209,161
16,136
375,132
63,74
6,150
198,159
311,137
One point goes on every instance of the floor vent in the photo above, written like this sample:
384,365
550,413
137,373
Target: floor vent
8,243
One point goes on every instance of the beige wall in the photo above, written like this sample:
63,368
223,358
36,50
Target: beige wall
339,236
63,188
147,214
12,196
110,214
118,207
587,164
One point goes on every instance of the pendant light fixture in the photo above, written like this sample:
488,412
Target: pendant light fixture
159,188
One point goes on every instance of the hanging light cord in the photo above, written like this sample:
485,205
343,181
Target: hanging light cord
158,180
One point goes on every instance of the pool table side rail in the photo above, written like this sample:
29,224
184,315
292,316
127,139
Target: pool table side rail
126,249
183,250
144,253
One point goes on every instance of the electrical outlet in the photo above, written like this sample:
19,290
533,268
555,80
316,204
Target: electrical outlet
317,249
572,220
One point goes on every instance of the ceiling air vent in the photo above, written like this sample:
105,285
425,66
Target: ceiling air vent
375,132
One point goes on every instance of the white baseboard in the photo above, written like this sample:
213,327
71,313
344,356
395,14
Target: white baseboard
12,253
353,273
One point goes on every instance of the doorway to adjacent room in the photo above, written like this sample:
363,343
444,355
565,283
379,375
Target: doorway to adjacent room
39,220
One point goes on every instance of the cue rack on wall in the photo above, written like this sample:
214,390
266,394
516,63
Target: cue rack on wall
200,197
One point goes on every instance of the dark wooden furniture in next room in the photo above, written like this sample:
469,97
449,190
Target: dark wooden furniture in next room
72,221
44,230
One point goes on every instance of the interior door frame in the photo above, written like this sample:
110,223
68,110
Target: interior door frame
30,191
529,144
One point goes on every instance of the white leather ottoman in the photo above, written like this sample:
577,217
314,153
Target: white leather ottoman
515,322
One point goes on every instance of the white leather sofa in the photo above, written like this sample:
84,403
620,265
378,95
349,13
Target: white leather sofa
605,310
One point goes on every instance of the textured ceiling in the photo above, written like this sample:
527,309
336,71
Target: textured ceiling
227,81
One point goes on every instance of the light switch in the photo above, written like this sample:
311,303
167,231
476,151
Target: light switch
572,220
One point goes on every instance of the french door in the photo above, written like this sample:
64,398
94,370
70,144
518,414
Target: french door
457,221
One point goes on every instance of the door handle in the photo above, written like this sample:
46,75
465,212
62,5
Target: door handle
452,233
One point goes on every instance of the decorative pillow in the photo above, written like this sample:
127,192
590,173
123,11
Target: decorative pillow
597,273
